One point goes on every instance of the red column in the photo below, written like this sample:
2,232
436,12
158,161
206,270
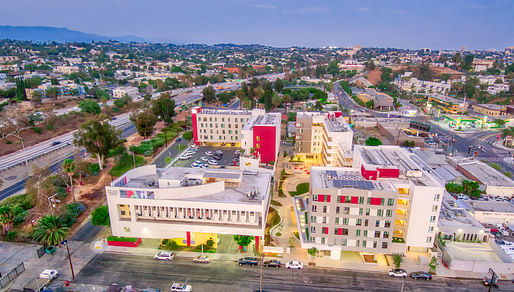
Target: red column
188,236
257,243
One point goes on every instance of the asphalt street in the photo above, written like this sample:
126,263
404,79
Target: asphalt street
160,160
87,232
145,272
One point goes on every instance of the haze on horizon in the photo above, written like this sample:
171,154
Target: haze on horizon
436,24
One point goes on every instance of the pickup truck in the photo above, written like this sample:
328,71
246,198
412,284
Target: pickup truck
248,261
39,283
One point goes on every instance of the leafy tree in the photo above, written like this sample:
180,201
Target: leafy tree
188,135
370,65
21,85
275,100
372,141
499,122
164,108
312,252
445,76
100,216
36,97
54,81
370,104
209,94
424,72
454,188
144,121
397,260
470,87
432,265
243,240
278,85
332,68
98,138
467,64
50,230
69,167
89,106
52,92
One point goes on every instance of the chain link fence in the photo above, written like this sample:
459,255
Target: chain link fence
12,275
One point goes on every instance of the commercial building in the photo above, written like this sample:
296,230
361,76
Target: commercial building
121,91
388,202
190,205
490,110
491,212
490,179
251,130
446,104
323,138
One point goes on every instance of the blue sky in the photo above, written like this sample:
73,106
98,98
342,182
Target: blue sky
449,24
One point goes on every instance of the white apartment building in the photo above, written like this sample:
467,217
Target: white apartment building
388,202
66,69
420,86
184,202
497,88
121,91
248,129
323,138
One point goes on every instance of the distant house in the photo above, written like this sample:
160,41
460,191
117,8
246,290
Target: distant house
121,91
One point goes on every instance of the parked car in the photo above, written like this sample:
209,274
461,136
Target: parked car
248,261
217,157
294,265
181,287
199,162
201,259
220,152
49,274
213,162
209,153
205,159
421,275
185,157
272,264
194,146
398,273
164,256
178,139
487,282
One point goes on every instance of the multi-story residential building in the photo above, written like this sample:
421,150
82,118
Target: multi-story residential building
190,205
251,130
388,202
420,86
497,88
66,69
482,65
323,139
121,91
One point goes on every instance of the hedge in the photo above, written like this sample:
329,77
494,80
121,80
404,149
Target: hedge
122,239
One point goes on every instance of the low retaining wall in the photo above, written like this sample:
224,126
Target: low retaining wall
124,243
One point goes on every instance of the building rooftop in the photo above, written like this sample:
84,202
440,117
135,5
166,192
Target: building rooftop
489,206
455,218
491,106
484,173
267,119
196,184
337,177
219,111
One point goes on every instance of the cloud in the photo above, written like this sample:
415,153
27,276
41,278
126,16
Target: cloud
263,6
306,10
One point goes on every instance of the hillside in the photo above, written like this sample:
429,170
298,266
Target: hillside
57,34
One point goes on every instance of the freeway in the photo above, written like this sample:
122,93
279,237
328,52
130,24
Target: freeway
127,130
144,271
35,151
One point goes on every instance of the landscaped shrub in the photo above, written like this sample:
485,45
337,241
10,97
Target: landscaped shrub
37,130
117,151
94,168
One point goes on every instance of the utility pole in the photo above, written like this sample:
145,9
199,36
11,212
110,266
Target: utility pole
69,259
262,265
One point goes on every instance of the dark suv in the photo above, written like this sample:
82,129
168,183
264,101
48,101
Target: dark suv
272,264
248,261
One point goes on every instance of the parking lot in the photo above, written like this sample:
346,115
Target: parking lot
226,160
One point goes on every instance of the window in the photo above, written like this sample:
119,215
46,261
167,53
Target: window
345,221
434,208
429,239
389,213
343,243
374,244
390,202
346,210
432,218
337,220
360,211
384,244
347,199
386,234
369,201
363,243
365,233
377,223
313,229
361,200
324,219
313,219
337,210
344,231
357,232
380,212
340,199
258,138
387,224
365,222
314,208
359,222
324,209
377,234
431,229
357,243
436,197
324,230
314,198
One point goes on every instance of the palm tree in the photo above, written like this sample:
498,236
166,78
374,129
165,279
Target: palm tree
69,167
50,230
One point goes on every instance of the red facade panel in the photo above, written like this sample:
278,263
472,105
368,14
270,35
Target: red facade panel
355,200
195,125
328,198
376,201
388,173
264,142
368,174
321,198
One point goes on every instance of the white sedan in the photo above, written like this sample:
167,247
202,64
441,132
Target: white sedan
294,265
164,256
181,287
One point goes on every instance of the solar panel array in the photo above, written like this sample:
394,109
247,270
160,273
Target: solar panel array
360,184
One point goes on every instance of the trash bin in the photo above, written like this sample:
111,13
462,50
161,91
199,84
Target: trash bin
50,249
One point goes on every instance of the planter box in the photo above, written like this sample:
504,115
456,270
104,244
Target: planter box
124,243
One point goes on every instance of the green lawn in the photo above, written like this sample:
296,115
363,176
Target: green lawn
123,239
300,189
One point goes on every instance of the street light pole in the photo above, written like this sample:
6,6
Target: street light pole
69,259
